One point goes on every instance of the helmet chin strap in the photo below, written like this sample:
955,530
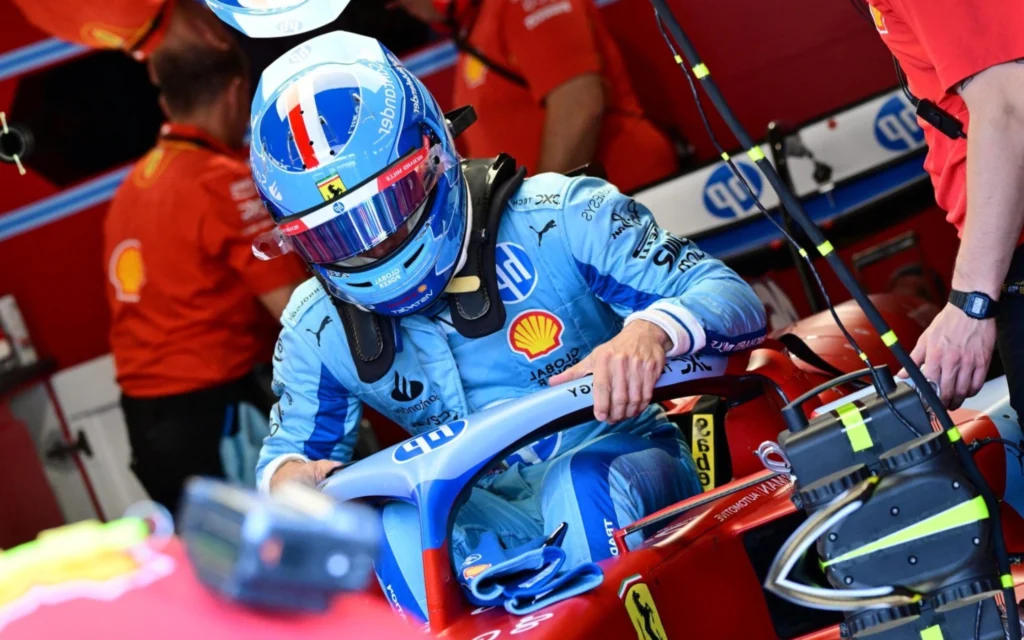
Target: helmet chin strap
464,284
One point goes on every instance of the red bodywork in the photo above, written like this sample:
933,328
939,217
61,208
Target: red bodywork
699,568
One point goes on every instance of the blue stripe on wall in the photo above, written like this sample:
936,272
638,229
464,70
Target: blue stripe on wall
39,54
66,203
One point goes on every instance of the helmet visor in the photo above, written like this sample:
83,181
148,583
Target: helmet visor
359,219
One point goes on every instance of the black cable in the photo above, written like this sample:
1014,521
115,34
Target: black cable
796,211
782,230
902,77
977,622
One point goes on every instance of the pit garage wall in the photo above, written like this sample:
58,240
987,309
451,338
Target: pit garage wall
791,59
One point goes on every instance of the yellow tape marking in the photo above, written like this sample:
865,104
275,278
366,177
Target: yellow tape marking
701,71
825,248
856,430
932,633
889,338
755,154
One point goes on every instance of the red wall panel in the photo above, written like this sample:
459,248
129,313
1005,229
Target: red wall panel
791,59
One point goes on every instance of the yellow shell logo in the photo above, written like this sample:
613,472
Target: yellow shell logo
474,72
535,334
126,270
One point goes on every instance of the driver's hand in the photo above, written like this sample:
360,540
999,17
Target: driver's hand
625,370
307,473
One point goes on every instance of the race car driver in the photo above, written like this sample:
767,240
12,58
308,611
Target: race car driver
551,88
443,288
966,58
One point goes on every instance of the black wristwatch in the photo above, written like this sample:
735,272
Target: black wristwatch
975,304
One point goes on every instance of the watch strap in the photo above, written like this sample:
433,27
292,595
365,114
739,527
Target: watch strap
975,304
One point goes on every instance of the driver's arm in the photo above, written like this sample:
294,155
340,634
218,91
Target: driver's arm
646,273
314,425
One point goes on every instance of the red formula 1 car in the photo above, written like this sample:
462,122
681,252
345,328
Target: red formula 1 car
700,574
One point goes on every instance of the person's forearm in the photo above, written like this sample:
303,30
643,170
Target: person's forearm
995,199
572,125
276,300
568,143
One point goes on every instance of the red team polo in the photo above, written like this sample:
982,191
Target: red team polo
131,25
183,283
548,43
940,43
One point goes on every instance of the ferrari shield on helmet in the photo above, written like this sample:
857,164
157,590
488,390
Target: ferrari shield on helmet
355,162
277,18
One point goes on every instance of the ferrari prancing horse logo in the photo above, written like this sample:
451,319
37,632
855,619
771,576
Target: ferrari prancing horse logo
643,613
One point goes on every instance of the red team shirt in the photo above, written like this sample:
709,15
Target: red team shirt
549,42
183,283
940,43
132,25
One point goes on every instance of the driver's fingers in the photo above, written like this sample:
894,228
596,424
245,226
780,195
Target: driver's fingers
574,372
651,370
601,388
321,468
635,386
620,387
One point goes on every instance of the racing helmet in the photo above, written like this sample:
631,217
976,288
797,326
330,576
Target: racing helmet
277,18
356,164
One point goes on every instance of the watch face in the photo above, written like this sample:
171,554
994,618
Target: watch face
977,305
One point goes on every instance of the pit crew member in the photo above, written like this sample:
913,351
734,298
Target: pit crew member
968,59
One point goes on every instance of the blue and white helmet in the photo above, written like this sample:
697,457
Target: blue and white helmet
277,18
356,164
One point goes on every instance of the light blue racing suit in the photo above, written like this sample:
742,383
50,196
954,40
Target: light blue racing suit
575,260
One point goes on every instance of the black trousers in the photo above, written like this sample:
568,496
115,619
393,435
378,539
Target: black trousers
1010,332
175,437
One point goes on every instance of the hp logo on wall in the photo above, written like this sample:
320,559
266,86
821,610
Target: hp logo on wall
896,126
724,194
